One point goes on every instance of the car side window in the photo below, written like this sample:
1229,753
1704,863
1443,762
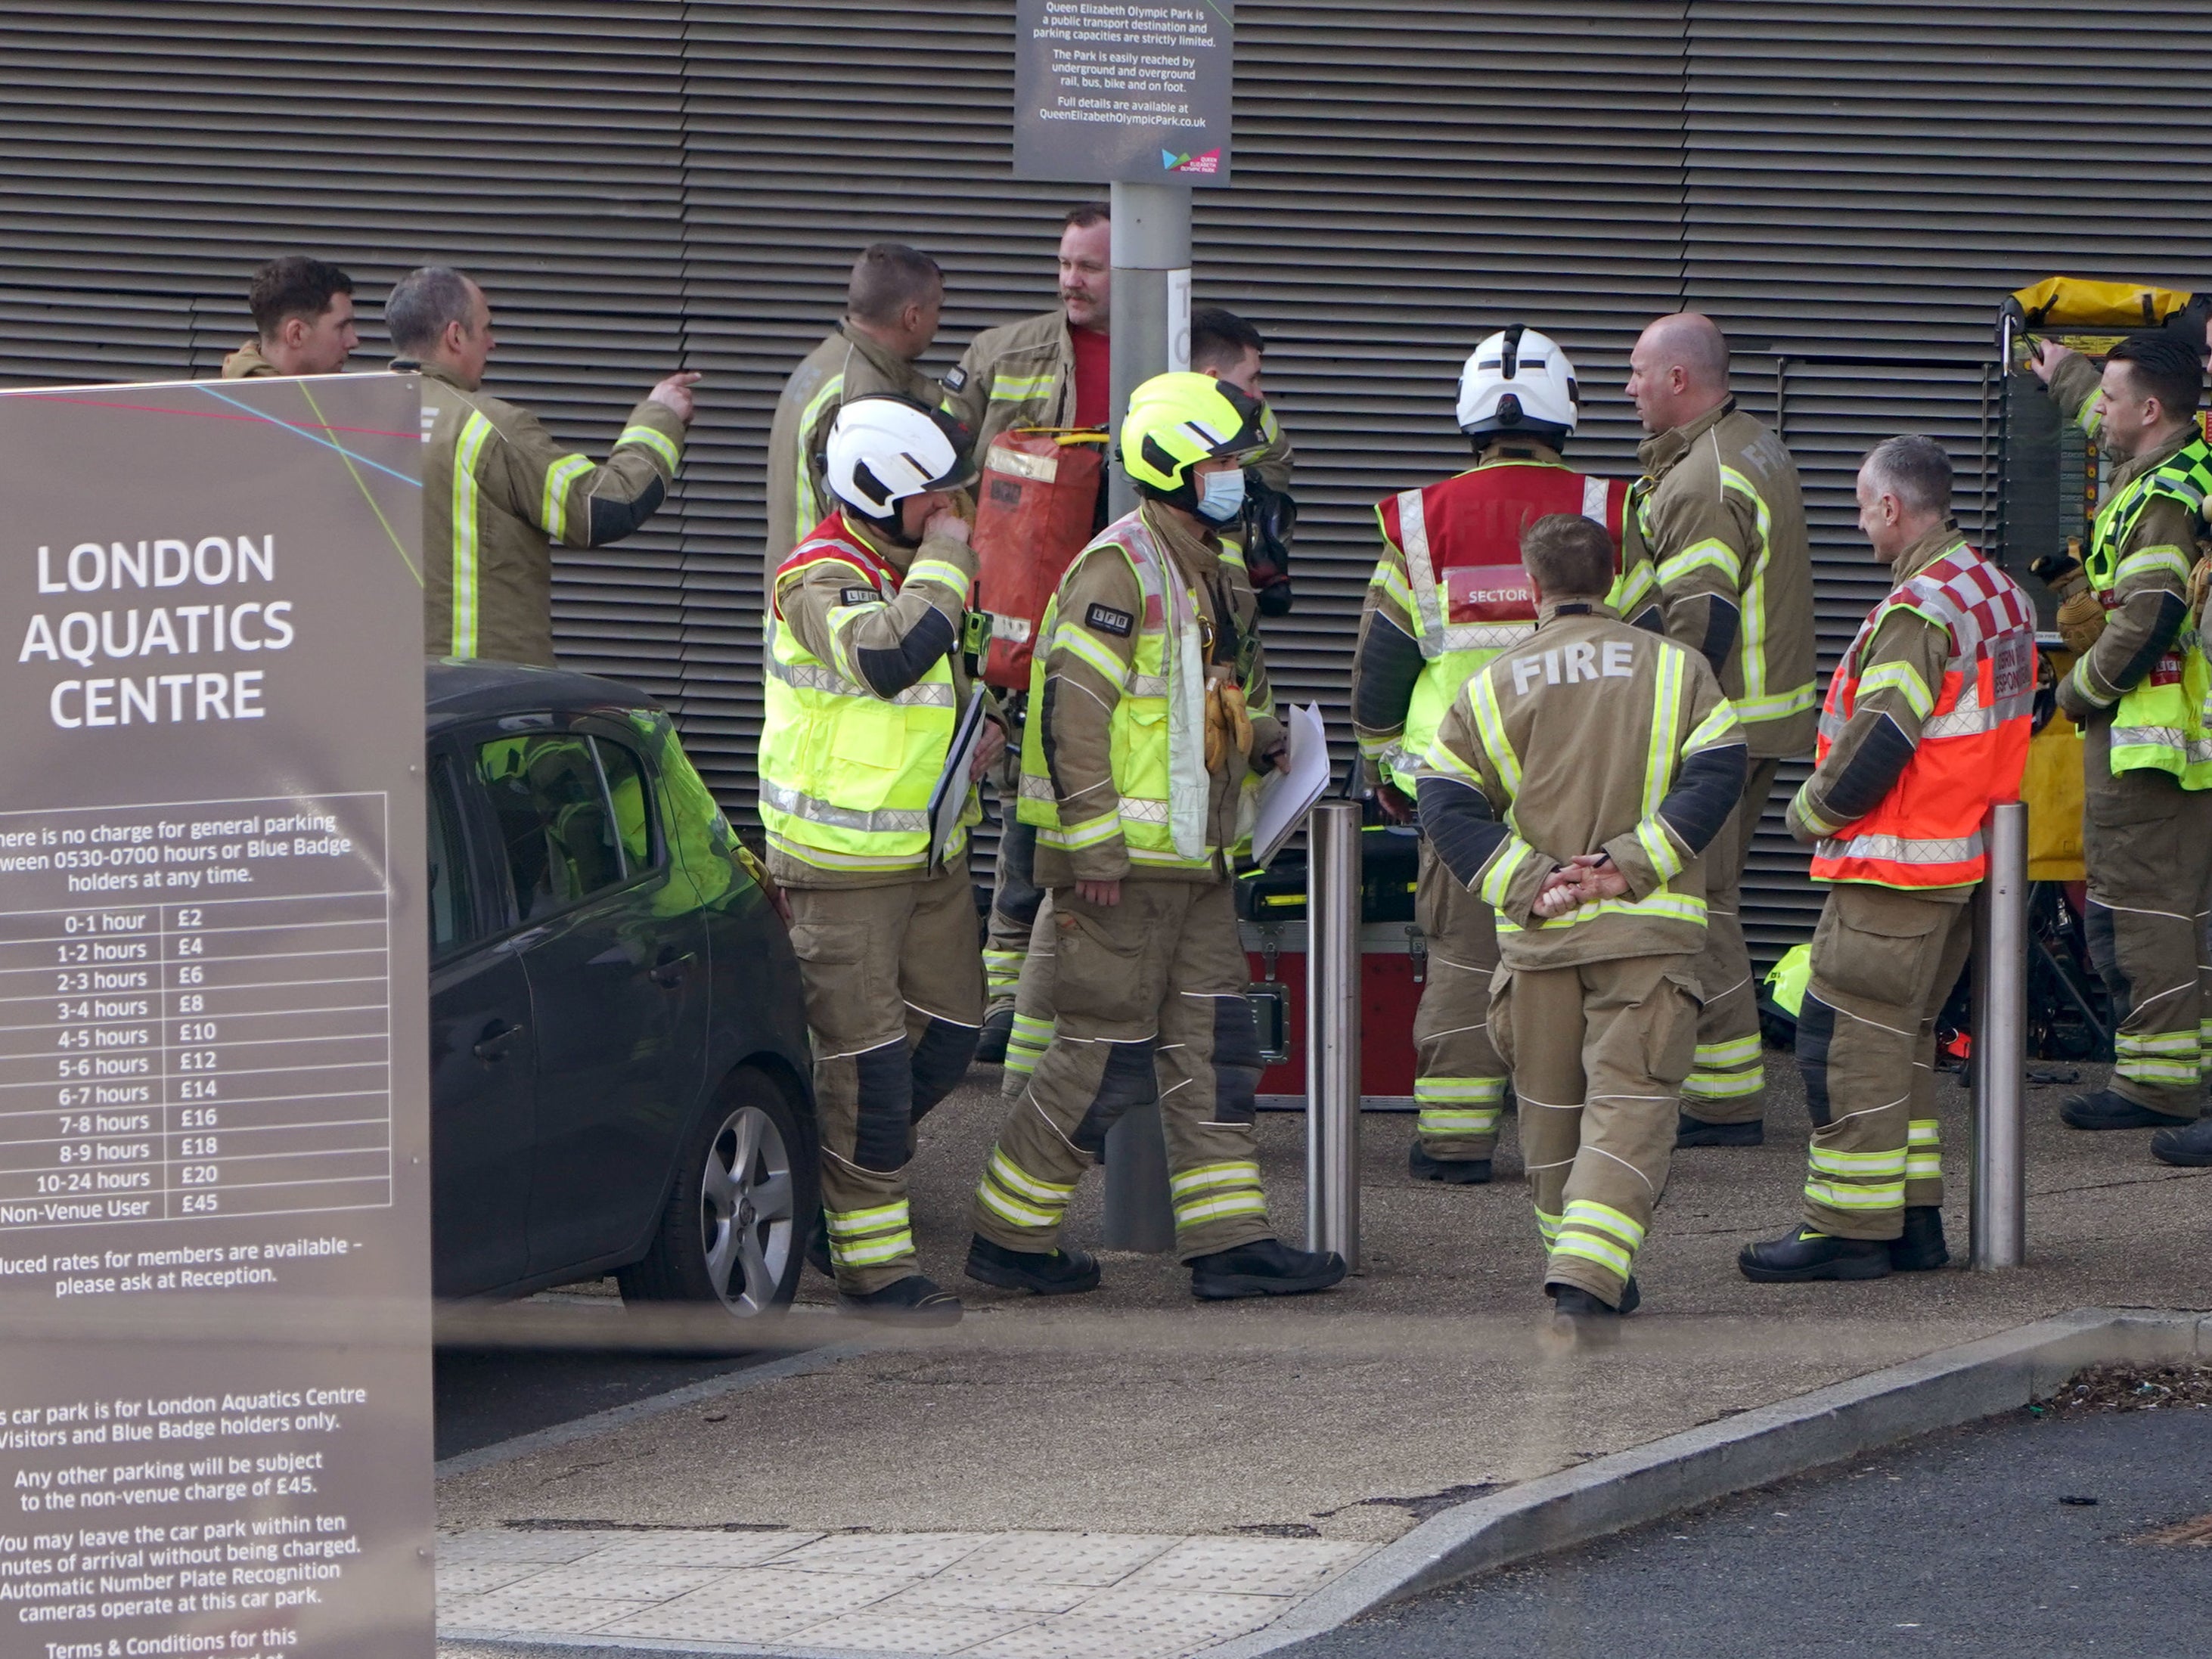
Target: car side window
453,895
633,802
555,824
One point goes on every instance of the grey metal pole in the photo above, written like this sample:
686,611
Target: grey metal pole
1999,1223
1150,327
1333,879
1151,300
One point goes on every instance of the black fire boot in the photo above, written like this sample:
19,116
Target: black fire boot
2191,1147
1452,1171
2107,1110
991,1042
913,1300
1801,1254
1265,1267
1572,1301
1922,1247
817,1247
1048,1273
1695,1131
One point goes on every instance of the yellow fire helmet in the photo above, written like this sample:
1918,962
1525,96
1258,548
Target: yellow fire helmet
1174,422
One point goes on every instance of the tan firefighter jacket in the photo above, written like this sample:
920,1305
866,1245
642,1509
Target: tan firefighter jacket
1591,736
1720,515
497,492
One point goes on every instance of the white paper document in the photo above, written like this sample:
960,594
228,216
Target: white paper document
1289,791
948,802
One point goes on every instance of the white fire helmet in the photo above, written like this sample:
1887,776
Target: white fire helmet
1518,381
883,448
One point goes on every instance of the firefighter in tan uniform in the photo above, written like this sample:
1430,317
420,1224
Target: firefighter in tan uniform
891,306
1925,727
1149,719
1055,370
498,490
1573,786
1448,594
867,683
2137,689
1720,517
303,321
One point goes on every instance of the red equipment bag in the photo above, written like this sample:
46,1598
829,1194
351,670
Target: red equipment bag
1037,504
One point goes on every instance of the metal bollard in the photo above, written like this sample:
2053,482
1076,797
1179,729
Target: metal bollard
1998,1226
1333,882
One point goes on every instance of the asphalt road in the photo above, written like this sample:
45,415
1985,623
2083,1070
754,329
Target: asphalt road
485,1395
1963,1543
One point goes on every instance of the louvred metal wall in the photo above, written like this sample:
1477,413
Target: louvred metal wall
1849,187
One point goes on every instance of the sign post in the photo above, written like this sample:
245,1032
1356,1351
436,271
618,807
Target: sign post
1136,96
215,1388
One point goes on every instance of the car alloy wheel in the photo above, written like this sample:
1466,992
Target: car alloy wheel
746,1211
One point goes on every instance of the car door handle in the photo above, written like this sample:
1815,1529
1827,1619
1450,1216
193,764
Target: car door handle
495,1042
668,973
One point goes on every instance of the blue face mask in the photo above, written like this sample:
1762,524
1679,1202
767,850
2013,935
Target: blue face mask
1221,496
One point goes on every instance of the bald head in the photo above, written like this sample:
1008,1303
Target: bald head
1678,371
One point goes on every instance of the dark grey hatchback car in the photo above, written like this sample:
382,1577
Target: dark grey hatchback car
618,1046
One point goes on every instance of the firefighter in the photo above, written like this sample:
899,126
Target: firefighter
1572,786
2138,693
1052,370
1228,348
302,317
1150,717
1224,347
1448,594
866,685
497,489
1719,515
892,302
1925,726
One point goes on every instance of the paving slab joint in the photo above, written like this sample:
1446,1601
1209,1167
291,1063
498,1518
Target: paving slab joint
1752,1449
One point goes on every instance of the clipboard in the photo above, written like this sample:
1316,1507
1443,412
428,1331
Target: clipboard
1289,794
948,802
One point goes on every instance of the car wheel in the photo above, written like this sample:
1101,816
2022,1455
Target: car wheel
734,1231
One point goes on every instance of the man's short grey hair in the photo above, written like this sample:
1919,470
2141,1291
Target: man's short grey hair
421,305
1913,469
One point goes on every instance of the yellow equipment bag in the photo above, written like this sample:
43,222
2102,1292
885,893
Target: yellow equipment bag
2052,789
2081,302
1787,980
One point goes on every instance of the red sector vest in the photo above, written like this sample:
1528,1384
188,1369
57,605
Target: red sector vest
1462,539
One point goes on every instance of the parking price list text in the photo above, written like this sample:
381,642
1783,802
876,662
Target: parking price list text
208,1032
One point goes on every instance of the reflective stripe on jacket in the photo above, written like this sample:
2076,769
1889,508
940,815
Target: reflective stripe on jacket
497,490
2160,722
1972,746
1462,585
845,774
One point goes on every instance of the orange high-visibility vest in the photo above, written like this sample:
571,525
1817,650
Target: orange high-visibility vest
1926,832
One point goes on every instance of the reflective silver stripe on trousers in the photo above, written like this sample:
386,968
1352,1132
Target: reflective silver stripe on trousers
885,821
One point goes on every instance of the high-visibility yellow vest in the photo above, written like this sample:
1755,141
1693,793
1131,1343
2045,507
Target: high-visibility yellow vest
2159,724
1157,730
846,775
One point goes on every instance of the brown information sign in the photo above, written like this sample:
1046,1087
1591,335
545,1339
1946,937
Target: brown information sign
215,1388
1132,91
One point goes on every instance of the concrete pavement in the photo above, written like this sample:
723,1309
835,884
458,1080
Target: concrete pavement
1343,1420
